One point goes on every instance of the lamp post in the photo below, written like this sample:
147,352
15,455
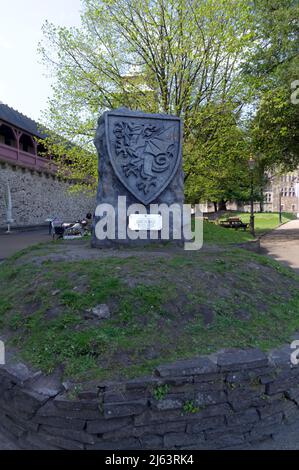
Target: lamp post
280,211
251,165
295,184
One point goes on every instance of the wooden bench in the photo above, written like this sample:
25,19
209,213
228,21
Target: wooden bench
233,222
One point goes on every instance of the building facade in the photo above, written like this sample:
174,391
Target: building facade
37,192
281,193
282,190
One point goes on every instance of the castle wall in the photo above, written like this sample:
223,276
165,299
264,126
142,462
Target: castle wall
37,196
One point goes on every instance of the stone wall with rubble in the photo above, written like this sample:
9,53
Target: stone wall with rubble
37,196
226,400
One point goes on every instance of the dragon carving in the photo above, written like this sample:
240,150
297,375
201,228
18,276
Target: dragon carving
145,150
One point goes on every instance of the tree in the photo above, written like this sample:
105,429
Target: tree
275,130
272,68
275,40
186,54
217,156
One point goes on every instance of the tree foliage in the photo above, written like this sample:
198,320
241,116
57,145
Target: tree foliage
173,56
272,70
217,155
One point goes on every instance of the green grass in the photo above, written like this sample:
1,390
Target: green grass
189,407
158,310
264,222
38,249
160,392
213,233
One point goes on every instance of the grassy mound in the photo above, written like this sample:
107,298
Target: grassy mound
163,307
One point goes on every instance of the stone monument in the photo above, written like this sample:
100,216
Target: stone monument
140,172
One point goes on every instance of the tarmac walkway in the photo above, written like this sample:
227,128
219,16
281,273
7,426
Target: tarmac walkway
282,244
15,241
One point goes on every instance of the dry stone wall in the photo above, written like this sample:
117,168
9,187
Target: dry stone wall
37,196
224,401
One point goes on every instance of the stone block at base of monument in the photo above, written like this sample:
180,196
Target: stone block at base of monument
140,172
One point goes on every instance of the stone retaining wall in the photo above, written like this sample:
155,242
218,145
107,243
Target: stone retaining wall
37,196
226,400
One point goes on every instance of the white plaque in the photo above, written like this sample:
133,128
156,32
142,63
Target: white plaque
145,222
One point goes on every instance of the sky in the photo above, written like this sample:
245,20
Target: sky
24,84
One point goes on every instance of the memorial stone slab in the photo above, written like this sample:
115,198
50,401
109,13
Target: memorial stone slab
140,157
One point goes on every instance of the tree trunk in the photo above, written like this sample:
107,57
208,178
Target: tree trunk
215,206
262,200
222,205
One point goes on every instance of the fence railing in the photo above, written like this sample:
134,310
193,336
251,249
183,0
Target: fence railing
28,160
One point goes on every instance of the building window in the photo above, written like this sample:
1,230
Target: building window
7,136
293,208
268,198
26,144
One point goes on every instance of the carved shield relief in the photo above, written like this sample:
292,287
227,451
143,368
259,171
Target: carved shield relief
144,151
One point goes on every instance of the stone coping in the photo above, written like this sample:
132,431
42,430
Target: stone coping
226,400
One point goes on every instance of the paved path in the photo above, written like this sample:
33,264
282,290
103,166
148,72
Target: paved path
283,244
15,241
